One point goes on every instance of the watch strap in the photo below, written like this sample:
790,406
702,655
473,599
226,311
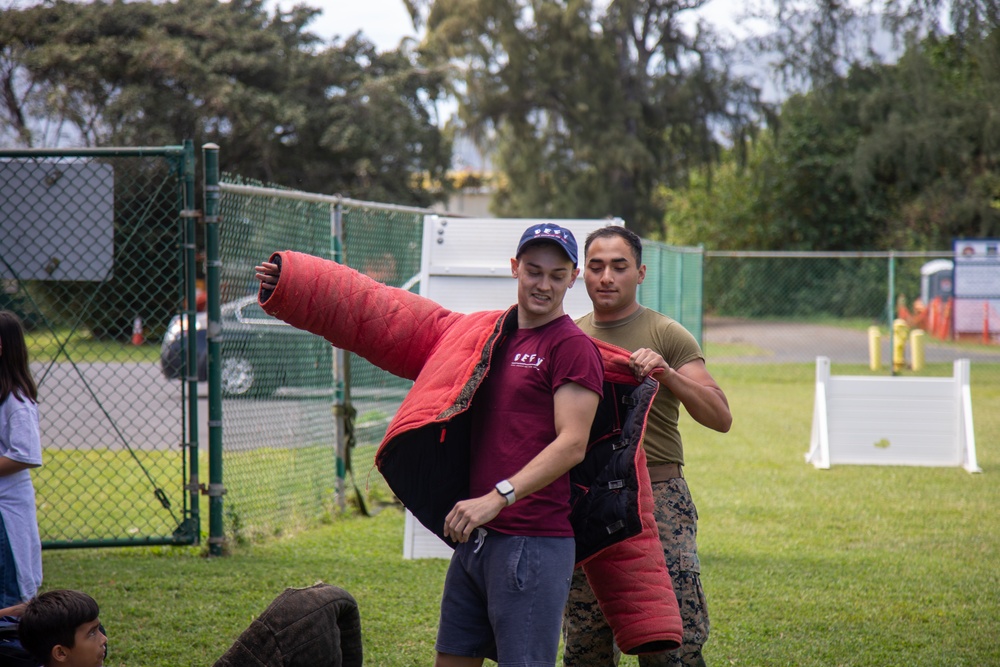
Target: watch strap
506,489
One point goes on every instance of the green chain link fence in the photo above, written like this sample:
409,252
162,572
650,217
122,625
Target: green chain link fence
91,260
673,283
774,307
384,243
98,259
281,441
284,390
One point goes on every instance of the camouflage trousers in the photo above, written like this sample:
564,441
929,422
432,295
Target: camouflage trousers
588,638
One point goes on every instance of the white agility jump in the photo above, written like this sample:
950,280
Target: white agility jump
892,420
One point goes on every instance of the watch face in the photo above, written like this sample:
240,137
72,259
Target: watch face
505,487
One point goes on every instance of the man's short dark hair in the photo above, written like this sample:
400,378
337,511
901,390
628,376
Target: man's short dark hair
609,231
52,619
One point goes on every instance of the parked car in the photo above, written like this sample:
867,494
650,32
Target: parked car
259,353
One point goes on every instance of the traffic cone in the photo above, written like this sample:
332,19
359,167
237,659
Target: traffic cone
137,337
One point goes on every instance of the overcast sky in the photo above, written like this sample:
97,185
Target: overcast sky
385,22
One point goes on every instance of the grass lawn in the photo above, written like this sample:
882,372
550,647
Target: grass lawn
45,345
849,566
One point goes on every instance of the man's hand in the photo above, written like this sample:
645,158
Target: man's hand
16,610
468,515
645,361
692,384
267,273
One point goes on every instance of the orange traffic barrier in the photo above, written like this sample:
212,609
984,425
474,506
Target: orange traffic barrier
944,326
919,319
902,312
934,316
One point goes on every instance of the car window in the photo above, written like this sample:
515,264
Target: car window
252,313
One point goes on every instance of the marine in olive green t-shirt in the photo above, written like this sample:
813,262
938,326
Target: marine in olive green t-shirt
653,330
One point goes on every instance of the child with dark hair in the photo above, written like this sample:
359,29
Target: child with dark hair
20,450
61,628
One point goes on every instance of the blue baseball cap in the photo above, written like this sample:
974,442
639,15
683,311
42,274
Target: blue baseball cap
552,233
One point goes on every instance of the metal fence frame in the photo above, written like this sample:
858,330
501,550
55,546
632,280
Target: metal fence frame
180,163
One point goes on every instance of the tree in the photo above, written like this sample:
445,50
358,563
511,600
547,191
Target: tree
932,141
589,111
814,42
902,156
285,108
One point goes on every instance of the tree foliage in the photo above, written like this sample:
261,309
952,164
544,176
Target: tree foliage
889,157
284,107
814,42
588,110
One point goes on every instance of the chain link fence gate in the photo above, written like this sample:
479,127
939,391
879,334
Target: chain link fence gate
91,260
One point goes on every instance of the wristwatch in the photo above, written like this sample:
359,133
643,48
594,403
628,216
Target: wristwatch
506,489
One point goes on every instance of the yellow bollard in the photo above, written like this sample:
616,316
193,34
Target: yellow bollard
917,350
899,335
874,348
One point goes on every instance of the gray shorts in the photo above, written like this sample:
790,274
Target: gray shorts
504,597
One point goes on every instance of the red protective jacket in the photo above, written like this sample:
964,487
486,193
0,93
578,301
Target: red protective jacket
424,456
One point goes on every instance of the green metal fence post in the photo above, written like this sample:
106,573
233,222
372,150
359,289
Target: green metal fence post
190,216
339,371
216,529
700,282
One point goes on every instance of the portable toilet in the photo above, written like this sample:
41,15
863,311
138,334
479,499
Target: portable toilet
936,280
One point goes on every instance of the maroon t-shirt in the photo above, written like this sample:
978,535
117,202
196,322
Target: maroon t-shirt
513,419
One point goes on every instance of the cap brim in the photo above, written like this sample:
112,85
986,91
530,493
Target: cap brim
532,242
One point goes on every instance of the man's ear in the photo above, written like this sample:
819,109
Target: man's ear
575,275
642,274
